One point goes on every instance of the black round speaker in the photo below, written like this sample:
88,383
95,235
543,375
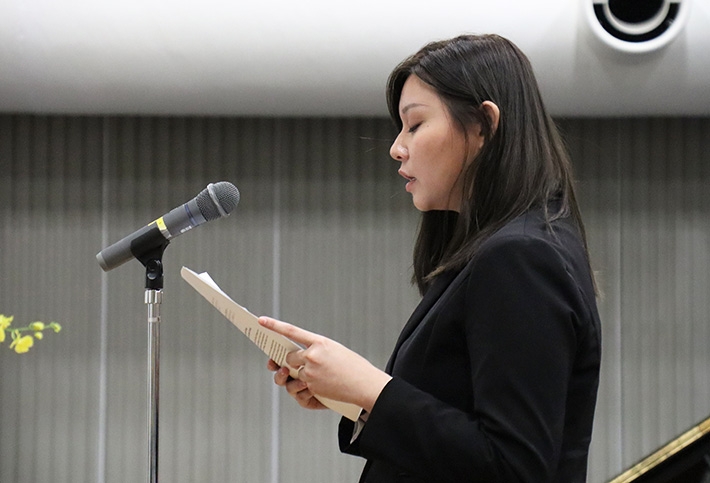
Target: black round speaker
635,11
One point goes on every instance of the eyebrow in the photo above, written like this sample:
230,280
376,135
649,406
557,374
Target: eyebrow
411,106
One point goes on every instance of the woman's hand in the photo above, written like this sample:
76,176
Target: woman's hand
296,388
325,368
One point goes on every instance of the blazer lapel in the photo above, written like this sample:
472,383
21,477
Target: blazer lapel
430,297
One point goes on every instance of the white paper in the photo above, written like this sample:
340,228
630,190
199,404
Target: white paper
274,345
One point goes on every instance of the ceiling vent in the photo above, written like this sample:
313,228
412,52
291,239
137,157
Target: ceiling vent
637,26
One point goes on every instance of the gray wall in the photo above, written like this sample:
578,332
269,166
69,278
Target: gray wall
322,238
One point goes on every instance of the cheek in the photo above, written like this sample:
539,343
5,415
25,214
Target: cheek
453,162
445,178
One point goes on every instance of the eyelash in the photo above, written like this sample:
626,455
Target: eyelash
414,128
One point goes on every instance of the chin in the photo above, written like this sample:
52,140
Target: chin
424,207
420,206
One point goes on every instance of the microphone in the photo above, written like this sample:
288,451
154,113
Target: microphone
216,201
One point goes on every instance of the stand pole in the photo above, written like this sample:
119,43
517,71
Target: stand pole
153,298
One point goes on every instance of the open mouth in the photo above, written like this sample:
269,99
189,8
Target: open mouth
410,182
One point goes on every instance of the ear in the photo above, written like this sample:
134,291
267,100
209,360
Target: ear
493,113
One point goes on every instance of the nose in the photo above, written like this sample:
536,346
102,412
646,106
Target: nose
398,151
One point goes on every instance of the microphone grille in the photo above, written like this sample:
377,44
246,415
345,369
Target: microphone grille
217,200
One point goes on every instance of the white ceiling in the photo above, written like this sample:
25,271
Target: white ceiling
317,57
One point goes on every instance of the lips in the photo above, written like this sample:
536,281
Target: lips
405,176
410,180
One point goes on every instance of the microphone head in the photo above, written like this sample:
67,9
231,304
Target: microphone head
217,200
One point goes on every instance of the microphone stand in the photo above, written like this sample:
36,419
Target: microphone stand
152,260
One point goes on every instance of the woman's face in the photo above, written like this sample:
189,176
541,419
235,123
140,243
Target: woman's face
431,148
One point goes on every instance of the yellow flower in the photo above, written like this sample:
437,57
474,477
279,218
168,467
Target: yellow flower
5,321
22,344
4,324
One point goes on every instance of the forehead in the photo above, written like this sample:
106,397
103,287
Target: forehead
416,93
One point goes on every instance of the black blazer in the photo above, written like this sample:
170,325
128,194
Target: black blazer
495,374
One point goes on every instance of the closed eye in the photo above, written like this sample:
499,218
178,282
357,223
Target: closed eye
414,128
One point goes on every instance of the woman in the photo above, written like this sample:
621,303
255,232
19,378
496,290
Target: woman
494,377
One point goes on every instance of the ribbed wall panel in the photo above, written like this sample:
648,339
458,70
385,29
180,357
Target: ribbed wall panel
643,186
51,178
320,199
215,395
594,149
347,230
665,241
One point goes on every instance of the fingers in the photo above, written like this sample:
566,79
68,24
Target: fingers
296,389
291,375
293,359
296,360
294,333
302,394
283,378
286,369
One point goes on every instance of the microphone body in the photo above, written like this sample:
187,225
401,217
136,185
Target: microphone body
215,201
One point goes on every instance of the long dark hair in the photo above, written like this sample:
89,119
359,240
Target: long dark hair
523,162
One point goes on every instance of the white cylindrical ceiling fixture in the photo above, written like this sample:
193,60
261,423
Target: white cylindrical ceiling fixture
637,26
